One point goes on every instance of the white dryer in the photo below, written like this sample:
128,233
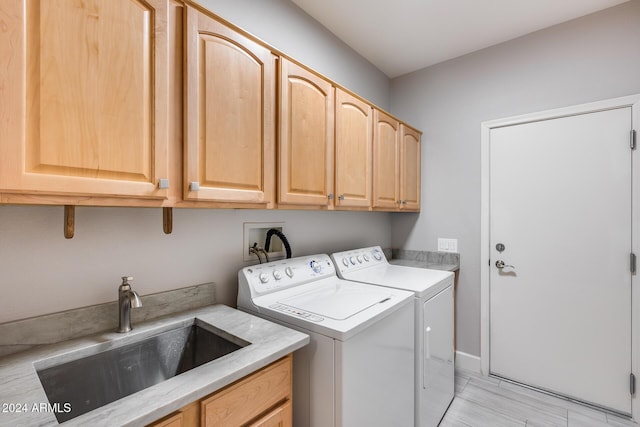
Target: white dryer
434,346
359,366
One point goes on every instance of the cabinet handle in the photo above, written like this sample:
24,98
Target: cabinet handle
341,197
404,202
330,196
163,183
194,186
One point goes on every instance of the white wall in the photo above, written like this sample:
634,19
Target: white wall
591,58
42,272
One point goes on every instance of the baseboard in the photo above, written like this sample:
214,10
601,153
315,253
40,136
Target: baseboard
468,362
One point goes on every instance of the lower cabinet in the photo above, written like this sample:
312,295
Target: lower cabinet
262,399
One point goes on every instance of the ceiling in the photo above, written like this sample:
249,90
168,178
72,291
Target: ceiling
401,36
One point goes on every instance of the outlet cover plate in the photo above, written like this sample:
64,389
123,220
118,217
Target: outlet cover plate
447,245
256,232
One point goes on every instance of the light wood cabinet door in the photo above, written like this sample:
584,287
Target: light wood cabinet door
188,416
305,158
279,417
386,161
247,399
354,127
409,169
174,420
230,114
84,97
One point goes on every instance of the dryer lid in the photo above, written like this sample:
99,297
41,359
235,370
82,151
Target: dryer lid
338,300
423,282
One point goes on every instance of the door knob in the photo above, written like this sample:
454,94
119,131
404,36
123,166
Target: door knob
500,264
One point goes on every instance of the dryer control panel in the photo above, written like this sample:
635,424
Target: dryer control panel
358,259
270,277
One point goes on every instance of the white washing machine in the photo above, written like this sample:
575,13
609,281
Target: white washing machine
434,346
359,366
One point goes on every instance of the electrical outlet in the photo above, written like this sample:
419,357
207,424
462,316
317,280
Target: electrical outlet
447,245
256,232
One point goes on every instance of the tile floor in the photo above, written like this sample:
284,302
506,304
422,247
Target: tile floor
490,402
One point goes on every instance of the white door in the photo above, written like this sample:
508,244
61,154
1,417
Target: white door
560,204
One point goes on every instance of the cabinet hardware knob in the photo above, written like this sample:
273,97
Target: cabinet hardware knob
163,183
330,196
194,186
341,197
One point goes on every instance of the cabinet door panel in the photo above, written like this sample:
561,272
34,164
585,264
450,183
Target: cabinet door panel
410,169
250,397
230,120
279,417
386,162
306,137
87,108
353,151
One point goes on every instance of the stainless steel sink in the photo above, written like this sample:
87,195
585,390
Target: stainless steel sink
93,381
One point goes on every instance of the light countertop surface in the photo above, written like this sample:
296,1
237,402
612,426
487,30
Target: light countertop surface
424,264
23,401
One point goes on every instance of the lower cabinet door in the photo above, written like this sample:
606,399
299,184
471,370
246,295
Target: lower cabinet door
172,421
247,399
279,417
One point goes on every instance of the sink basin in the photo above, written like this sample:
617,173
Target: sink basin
93,381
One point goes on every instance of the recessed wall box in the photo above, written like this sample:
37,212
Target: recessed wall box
256,232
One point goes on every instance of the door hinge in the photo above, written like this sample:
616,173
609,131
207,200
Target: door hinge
632,384
632,140
632,263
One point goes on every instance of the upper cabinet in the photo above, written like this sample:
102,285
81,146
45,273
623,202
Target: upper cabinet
353,145
229,148
84,97
386,162
396,165
161,103
409,169
305,158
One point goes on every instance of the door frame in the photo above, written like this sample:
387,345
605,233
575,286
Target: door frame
632,101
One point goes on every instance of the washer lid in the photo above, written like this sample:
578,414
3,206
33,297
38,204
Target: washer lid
338,300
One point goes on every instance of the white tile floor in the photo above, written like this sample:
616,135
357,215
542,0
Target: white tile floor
488,402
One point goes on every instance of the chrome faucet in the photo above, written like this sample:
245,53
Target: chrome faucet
127,299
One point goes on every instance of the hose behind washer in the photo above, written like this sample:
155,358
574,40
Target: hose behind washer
282,237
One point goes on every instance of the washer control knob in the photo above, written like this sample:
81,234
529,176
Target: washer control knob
277,274
288,271
315,266
359,258
352,260
345,261
264,278
366,257
377,255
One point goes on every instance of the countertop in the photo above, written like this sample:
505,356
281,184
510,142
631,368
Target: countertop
24,403
448,261
424,264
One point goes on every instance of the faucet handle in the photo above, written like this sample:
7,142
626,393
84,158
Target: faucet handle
126,279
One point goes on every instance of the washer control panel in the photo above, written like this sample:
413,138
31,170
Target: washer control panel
358,259
282,274
297,312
